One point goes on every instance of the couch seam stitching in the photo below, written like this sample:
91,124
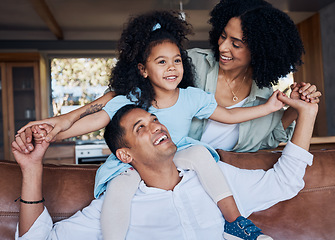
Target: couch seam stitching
318,189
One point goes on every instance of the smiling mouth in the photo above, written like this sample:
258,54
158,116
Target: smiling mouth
225,58
161,139
171,78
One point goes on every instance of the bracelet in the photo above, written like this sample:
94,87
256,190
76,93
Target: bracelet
29,202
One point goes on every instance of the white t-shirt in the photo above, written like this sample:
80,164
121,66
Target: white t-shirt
220,135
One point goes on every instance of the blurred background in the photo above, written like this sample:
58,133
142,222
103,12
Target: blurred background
56,55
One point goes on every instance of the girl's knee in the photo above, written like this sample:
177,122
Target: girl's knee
189,157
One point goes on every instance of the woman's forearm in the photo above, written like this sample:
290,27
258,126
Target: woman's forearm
90,108
63,122
90,123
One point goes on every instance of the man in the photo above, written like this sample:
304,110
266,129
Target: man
170,203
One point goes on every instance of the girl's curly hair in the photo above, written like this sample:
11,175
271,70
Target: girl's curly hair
270,34
135,44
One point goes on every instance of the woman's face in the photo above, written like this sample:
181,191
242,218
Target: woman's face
234,53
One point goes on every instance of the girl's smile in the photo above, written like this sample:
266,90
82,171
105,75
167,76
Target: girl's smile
164,67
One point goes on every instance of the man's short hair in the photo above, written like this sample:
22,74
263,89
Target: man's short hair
114,132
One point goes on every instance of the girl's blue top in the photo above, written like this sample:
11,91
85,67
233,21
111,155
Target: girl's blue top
192,102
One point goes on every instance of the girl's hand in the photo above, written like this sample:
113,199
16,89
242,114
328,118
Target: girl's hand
306,92
273,103
35,133
40,132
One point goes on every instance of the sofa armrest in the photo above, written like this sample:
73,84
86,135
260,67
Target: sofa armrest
309,215
66,189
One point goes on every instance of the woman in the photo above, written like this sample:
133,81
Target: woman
253,44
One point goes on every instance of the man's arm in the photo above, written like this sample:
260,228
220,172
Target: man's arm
304,91
256,190
34,220
31,190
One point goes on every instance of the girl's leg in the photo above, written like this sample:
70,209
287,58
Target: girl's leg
199,159
115,212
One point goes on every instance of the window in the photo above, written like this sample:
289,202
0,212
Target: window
284,84
78,81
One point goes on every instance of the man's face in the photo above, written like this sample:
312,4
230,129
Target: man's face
148,140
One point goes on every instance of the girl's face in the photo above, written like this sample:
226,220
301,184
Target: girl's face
234,53
164,67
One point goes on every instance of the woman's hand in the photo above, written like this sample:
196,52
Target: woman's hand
59,123
306,92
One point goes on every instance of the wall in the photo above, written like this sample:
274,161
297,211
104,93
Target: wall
312,69
327,21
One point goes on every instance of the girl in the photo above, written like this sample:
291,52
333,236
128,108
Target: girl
155,72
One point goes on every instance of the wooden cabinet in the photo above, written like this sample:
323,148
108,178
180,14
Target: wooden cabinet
20,95
60,153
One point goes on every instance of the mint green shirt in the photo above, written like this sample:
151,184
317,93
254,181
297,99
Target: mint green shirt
261,133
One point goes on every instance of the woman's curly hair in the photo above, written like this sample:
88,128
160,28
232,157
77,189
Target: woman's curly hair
136,42
270,34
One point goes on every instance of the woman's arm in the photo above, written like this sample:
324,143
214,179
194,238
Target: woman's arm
62,122
85,125
238,115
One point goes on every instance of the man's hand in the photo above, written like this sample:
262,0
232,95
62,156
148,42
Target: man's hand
306,92
32,159
32,171
303,91
301,106
307,112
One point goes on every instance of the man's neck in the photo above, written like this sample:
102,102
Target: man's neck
164,176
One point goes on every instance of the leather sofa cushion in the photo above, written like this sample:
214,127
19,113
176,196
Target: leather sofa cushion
69,188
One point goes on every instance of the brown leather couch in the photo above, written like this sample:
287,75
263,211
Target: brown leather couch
308,216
